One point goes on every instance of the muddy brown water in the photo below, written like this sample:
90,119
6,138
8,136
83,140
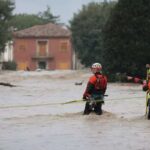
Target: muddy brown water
32,115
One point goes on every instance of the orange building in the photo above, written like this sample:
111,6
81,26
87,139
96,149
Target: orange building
43,46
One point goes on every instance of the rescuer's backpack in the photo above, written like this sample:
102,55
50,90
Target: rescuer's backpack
101,82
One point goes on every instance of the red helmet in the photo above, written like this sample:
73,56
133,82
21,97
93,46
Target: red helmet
96,67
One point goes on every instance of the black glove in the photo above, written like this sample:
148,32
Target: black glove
84,98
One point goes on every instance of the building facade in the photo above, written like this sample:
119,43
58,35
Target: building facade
43,46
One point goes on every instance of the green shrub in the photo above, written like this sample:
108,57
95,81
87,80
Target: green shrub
118,77
10,65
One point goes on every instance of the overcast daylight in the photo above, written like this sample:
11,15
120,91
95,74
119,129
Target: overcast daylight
62,8
74,82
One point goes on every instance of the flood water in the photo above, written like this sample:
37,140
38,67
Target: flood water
33,116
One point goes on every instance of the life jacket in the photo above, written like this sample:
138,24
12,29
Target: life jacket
99,81
97,85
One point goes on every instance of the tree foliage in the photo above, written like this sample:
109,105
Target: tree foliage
126,40
22,21
47,16
6,8
86,27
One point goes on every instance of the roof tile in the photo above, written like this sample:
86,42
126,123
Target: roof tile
46,30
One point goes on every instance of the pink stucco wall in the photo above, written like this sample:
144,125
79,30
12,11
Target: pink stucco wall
25,49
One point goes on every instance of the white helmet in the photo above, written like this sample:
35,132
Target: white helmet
96,67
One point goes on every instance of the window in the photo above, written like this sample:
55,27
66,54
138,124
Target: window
22,47
64,46
42,48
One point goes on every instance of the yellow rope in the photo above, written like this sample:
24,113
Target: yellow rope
125,98
69,102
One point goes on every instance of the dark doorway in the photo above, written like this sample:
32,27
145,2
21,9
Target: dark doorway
42,64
